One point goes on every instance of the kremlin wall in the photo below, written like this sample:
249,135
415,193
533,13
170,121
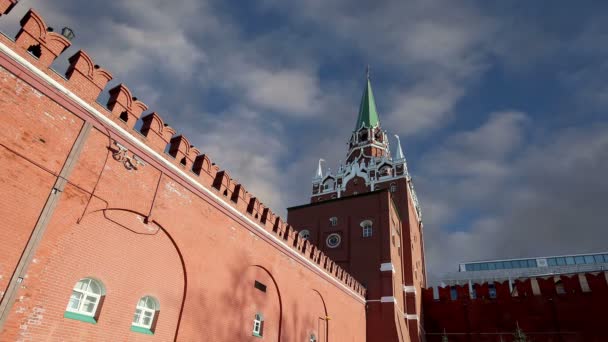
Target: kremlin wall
546,309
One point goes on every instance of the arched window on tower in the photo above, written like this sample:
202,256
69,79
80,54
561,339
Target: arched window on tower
393,187
304,234
328,184
367,228
385,171
363,134
333,221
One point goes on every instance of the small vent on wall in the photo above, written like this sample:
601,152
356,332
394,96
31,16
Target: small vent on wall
259,286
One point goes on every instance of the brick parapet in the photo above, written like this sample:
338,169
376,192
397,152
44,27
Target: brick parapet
547,286
6,6
547,308
85,80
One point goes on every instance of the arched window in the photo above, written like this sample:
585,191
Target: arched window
258,325
304,234
363,135
84,301
146,312
385,171
367,228
328,184
333,221
393,187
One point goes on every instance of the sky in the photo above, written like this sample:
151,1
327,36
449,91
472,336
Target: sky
500,106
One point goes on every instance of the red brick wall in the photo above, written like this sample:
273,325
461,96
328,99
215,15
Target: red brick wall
145,231
549,317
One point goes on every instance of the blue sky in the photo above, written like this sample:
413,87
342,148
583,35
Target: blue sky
500,107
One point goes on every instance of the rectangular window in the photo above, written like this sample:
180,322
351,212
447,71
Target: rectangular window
598,259
492,266
570,261
589,259
561,261
258,325
506,265
552,262
484,266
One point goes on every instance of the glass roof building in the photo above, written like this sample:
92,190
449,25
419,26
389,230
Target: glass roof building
511,269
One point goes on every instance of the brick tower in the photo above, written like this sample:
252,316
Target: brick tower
366,218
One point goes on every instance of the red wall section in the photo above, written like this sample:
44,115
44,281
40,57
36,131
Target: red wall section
569,317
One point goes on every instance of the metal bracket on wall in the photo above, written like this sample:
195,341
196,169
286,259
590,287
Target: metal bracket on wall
131,162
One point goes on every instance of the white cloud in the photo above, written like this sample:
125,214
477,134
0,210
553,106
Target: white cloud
422,108
288,91
546,197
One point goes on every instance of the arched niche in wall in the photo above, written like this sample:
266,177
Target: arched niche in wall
124,251
321,317
257,295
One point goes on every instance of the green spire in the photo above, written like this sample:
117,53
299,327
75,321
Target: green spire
368,116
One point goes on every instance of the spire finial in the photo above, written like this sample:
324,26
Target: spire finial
367,71
399,155
319,173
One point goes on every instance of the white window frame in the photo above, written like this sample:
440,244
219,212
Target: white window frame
84,295
393,187
367,227
304,234
330,236
143,310
333,221
258,324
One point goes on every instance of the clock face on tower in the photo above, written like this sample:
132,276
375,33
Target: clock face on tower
333,240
